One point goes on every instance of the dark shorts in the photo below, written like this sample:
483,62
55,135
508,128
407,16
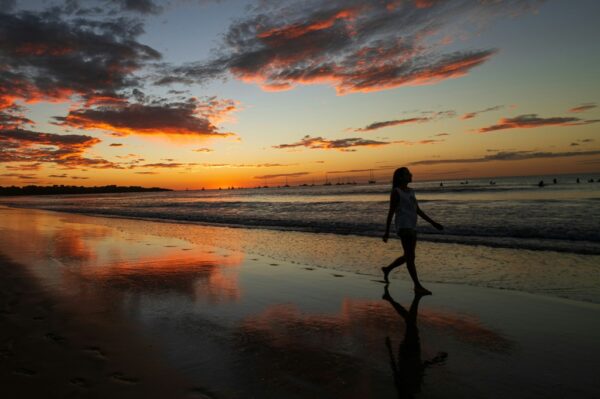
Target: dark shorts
407,233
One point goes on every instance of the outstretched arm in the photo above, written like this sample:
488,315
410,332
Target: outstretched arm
430,220
393,205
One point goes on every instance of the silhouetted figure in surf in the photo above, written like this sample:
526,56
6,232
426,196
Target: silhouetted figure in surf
409,369
541,183
554,181
403,204
577,180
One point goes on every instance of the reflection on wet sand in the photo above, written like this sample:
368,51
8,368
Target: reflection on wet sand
202,276
80,257
334,353
409,369
241,328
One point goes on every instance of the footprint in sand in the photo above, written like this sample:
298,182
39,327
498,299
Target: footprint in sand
95,351
25,372
309,268
254,259
274,264
5,353
121,378
337,275
55,337
80,382
200,393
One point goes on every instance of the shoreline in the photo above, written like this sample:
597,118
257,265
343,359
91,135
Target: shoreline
128,306
513,243
548,273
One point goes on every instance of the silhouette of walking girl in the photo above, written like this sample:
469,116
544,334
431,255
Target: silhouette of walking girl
403,204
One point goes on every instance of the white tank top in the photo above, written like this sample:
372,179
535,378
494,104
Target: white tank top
406,211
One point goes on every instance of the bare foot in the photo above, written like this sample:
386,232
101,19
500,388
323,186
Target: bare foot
422,291
385,271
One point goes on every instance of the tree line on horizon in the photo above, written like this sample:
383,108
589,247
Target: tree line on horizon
62,189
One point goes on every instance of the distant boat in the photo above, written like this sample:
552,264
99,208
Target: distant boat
371,177
327,182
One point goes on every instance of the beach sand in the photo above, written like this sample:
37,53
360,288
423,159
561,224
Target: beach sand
92,307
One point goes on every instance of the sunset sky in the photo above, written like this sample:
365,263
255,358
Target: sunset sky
200,93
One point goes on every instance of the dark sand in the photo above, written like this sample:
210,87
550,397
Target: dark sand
89,310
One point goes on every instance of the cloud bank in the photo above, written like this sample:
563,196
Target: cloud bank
354,46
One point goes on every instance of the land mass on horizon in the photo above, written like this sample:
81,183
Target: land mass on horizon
62,189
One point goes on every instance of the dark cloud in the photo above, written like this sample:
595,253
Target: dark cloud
471,115
19,145
428,141
334,172
141,6
295,174
532,120
579,142
23,167
441,134
246,165
353,45
22,176
340,144
51,56
508,156
203,149
168,165
379,125
583,107
115,145
347,144
157,117
146,173
7,5
11,117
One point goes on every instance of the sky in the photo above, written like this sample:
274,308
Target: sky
186,94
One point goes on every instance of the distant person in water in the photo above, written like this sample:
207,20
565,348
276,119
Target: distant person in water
403,204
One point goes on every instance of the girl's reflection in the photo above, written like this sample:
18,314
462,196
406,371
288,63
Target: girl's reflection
409,369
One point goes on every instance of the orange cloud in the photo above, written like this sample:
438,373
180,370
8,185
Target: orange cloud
190,118
296,30
346,44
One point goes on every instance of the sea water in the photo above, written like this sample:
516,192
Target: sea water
510,212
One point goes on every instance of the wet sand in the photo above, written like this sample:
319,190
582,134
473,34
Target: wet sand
96,309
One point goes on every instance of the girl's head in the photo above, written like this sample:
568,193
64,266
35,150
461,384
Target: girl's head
402,176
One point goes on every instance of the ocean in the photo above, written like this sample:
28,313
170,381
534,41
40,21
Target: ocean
513,212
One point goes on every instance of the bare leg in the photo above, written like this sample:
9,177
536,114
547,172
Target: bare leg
409,243
387,269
